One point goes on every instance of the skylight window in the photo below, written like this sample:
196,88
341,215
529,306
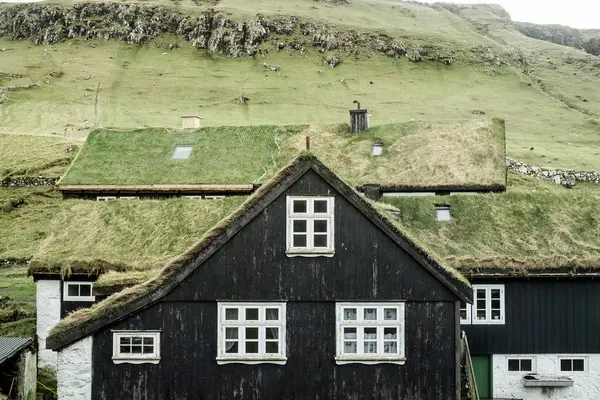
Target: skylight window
182,152
442,212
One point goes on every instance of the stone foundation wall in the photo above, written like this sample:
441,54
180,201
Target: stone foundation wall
566,177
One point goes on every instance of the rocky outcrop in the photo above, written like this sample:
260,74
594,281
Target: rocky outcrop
567,177
588,41
28,181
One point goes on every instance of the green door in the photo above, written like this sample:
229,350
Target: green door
482,366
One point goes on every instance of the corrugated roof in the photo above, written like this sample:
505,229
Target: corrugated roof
11,346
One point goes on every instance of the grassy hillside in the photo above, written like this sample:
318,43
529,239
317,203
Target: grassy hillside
473,154
546,92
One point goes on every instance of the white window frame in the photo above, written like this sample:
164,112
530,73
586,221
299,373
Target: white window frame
105,198
309,216
488,308
467,320
128,358
369,358
573,357
443,213
520,359
66,296
262,324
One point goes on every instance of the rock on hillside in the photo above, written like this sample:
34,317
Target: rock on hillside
589,41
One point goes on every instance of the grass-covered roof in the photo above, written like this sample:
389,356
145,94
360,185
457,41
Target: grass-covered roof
415,154
533,228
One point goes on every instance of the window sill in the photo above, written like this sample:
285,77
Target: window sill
486,322
370,360
90,299
136,360
309,253
252,361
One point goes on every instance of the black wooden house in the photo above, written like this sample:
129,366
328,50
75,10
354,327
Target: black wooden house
306,292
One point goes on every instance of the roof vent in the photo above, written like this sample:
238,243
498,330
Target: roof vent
190,121
442,212
359,119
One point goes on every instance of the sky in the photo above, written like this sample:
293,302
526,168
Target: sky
582,14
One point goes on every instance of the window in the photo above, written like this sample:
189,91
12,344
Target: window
78,291
310,226
136,347
465,313
520,364
251,333
442,212
370,333
573,364
182,152
105,198
487,307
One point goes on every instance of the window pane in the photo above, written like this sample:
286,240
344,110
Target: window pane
148,341
251,314
565,365
349,333
481,293
85,290
578,365
526,365
231,347
390,347
320,206
463,314
272,314
350,347
370,314
513,365
125,349
231,333
299,225
370,333
480,314
251,347
136,349
389,333
73,290
320,240
272,333
390,314
136,340
125,340
495,314
299,206
370,347
148,349
320,226
495,293
350,314
231,314
496,303
299,241
251,333
272,347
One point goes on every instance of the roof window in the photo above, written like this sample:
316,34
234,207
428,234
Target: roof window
442,212
182,152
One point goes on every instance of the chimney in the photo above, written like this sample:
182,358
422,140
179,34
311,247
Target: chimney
359,119
190,121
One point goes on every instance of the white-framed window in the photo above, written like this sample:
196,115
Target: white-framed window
442,212
310,226
488,306
251,333
105,198
573,364
78,291
465,313
520,364
136,347
370,333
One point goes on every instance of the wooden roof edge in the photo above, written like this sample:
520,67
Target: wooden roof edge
435,188
241,188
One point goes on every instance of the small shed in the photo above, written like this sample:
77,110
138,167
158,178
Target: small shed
18,368
190,121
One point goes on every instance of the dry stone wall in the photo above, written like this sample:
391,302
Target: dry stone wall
28,181
565,177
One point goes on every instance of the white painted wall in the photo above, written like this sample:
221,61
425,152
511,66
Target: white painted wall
48,315
508,384
74,371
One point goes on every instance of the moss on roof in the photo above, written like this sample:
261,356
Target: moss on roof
134,296
95,237
533,227
416,154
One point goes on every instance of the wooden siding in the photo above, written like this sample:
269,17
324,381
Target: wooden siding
367,264
253,265
188,368
543,316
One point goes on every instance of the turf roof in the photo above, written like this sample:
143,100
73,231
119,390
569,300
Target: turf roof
415,154
128,301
